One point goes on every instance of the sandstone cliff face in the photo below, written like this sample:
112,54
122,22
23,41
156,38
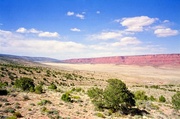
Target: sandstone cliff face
160,59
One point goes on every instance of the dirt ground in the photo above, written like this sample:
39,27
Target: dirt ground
130,74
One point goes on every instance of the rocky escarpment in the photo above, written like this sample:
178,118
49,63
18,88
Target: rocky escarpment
159,59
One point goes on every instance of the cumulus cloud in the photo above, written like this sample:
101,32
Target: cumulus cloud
48,34
106,35
40,33
21,30
136,24
24,30
165,21
10,43
70,13
34,31
5,33
165,32
127,41
75,29
80,16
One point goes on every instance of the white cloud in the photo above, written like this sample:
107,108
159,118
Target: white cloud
40,33
127,41
24,30
165,21
11,44
136,24
70,13
21,30
98,12
75,29
5,33
48,34
22,44
80,16
34,31
165,32
106,35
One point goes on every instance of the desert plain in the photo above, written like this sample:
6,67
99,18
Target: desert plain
153,80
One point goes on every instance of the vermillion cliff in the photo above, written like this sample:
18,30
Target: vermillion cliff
154,60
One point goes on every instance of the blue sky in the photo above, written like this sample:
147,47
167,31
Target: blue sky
66,29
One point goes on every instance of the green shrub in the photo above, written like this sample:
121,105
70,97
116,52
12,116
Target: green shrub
26,97
10,110
176,100
12,117
44,109
152,98
94,92
115,97
52,86
100,115
44,102
39,89
162,99
17,114
96,95
3,84
26,84
76,89
66,97
140,95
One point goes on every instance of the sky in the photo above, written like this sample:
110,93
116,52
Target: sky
65,29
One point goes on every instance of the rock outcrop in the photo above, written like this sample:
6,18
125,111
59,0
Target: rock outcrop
155,60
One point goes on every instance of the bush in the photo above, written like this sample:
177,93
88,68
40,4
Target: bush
66,97
52,86
38,89
26,97
17,114
26,84
3,84
162,99
12,117
176,100
94,92
96,95
77,89
140,95
100,115
152,98
44,102
115,97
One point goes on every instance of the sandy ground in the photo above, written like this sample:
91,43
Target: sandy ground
128,73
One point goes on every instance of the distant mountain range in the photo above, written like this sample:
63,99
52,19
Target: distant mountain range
27,58
149,60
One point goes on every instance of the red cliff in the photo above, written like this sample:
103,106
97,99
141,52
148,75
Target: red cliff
159,59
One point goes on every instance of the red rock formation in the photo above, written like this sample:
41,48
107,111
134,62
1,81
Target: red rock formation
155,60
